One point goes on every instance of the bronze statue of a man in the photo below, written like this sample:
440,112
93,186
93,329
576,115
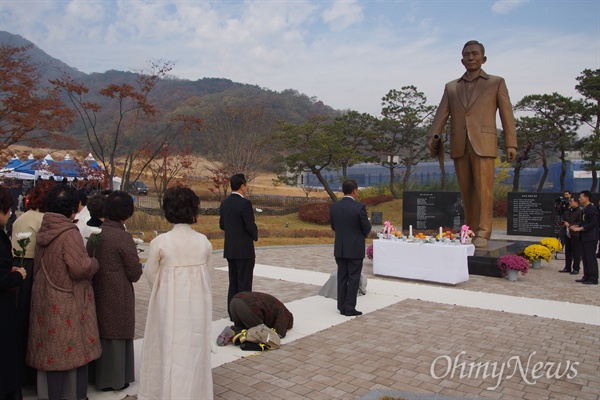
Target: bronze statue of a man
471,103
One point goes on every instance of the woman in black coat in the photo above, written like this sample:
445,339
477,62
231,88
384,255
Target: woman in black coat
10,279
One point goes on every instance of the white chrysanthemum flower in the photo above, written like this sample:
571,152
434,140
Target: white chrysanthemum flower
94,230
23,235
138,241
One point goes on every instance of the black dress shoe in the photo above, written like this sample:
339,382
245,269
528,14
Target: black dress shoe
590,282
576,272
581,280
565,270
352,313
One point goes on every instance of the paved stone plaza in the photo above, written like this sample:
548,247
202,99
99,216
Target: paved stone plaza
394,347
544,318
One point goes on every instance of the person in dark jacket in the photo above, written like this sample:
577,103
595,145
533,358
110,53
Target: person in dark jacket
254,308
120,266
572,216
349,221
236,218
10,279
589,238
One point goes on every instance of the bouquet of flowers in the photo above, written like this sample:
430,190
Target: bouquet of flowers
513,261
535,252
465,233
388,228
370,252
552,243
94,238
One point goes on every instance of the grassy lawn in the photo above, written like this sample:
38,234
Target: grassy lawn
274,230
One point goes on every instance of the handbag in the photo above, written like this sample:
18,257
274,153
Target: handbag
264,335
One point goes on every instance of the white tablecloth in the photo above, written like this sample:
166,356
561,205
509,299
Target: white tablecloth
445,263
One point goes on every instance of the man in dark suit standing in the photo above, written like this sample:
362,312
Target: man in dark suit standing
588,229
351,225
472,102
236,218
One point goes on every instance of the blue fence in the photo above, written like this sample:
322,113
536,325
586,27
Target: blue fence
428,173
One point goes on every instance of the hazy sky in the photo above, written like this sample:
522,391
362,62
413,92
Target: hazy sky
347,53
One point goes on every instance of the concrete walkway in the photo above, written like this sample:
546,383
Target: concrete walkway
417,337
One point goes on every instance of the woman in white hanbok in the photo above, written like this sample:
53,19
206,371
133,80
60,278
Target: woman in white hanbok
176,350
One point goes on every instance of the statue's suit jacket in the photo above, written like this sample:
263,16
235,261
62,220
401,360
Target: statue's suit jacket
476,119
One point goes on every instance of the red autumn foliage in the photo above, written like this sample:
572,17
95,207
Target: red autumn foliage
373,201
316,212
501,208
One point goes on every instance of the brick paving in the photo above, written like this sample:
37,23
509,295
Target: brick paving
395,347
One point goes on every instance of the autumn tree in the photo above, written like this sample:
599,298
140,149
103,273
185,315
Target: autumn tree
30,112
562,116
589,87
120,129
236,137
170,167
219,180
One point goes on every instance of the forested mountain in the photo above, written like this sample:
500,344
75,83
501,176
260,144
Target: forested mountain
173,95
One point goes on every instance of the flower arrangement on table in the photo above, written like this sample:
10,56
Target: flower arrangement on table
466,234
370,252
513,262
535,252
553,244
388,228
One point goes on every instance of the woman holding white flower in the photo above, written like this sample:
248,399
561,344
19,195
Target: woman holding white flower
120,266
10,278
176,350
29,224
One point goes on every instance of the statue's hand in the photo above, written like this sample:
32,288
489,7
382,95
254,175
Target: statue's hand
511,154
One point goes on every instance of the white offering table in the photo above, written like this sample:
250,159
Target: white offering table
444,263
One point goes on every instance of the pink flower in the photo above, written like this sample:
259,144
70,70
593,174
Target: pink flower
370,252
513,261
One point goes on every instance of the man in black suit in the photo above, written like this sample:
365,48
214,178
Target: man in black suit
236,218
572,216
588,229
351,225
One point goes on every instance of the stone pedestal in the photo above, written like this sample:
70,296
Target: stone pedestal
485,260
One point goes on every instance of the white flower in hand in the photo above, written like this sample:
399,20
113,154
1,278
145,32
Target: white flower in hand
23,235
94,238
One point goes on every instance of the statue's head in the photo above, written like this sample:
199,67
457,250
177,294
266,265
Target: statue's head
473,55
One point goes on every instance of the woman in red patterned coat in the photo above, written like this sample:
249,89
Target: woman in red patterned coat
63,332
